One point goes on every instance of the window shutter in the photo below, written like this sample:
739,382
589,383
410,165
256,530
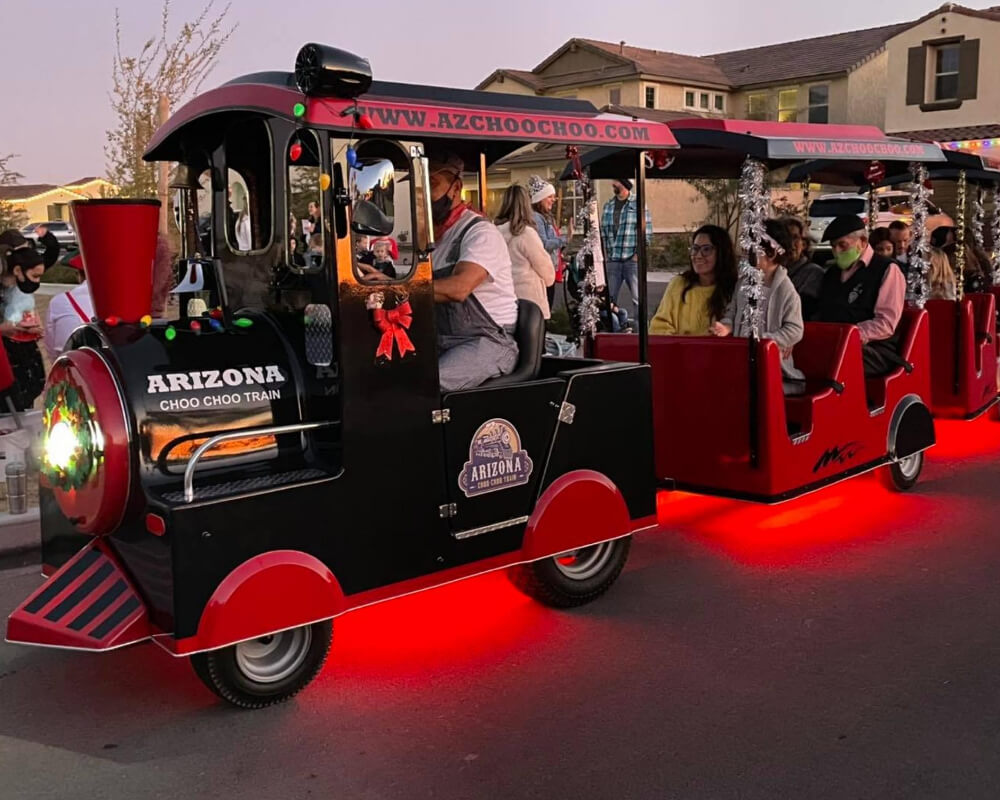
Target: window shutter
916,72
968,69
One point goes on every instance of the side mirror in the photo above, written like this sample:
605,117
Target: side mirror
373,192
368,220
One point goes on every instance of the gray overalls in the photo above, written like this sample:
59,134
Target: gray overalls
472,348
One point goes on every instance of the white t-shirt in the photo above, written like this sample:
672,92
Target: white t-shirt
484,245
63,319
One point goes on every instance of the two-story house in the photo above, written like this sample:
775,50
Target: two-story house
926,79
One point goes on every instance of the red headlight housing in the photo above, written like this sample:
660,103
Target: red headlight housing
85,442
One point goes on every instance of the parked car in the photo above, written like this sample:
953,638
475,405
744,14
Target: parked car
891,206
63,231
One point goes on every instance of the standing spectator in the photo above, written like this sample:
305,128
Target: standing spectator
530,264
805,274
21,327
543,197
619,232
67,312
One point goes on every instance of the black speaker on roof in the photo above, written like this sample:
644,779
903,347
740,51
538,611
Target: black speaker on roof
322,71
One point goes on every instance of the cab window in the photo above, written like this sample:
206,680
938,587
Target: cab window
248,186
381,189
306,228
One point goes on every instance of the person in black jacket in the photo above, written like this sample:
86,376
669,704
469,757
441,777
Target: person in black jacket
866,290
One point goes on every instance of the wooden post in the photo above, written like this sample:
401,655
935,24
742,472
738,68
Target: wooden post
162,190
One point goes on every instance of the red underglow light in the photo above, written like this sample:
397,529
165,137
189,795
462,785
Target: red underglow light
960,440
796,533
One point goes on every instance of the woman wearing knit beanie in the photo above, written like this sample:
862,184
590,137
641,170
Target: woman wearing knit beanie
543,197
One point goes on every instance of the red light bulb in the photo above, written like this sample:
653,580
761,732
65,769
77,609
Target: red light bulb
365,122
295,151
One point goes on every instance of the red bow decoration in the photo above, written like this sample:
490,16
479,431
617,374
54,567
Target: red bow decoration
573,154
660,159
393,324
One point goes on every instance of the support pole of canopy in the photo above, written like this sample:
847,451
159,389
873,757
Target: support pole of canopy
641,251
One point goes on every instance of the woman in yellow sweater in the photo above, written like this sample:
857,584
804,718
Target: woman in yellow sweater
699,297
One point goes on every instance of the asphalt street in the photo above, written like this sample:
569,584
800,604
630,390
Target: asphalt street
843,645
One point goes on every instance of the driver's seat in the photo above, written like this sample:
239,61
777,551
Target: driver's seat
529,334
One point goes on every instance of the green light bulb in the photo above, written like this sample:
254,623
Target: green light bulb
242,322
170,333
299,109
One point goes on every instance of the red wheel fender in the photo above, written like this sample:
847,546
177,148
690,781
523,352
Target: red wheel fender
270,592
580,508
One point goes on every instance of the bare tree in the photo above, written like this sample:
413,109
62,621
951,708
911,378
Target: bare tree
9,216
170,65
723,200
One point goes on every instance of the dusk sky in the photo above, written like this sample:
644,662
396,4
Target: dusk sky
57,54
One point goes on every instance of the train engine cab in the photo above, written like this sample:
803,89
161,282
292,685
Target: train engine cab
228,481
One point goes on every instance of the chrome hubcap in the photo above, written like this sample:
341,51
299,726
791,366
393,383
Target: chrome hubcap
586,562
270,659
910,465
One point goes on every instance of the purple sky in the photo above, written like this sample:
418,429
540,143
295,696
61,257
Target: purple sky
59,50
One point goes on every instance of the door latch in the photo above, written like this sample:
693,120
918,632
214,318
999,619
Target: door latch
439,416
567,413
448,510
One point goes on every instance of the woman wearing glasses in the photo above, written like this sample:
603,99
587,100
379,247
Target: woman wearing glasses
700,296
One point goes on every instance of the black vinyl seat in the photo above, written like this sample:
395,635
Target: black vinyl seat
529,333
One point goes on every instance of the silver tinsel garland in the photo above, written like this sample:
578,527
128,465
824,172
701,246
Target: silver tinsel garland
755,201
588,311
978,218
920,245
995,236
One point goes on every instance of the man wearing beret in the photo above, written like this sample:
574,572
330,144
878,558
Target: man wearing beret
866,290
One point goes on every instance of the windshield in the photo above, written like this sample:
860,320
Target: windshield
834,208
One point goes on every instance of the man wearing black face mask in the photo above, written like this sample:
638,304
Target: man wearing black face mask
20,326
473,286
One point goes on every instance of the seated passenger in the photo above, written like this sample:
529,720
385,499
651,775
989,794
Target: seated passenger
899,234
699,297
780,306
805,274
531,265
383,267
473,286
866,290
881,242
941,277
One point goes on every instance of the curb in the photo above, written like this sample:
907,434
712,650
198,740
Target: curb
20,532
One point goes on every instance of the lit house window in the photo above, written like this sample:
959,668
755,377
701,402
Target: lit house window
757,106
946,68
819,103
788,102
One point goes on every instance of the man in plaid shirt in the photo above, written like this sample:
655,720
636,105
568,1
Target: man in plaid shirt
619,222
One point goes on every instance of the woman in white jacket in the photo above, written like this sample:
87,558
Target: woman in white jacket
531,264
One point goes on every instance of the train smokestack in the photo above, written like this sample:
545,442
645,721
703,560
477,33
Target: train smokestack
118,244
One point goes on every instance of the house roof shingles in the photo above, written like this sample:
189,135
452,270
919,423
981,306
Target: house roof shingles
791,61
963,134
695,69
25,190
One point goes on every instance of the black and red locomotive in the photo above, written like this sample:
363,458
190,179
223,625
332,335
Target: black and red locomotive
227,483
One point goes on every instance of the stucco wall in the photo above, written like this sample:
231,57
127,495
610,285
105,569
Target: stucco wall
866,89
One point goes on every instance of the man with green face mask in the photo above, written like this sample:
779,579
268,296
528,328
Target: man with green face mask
866,290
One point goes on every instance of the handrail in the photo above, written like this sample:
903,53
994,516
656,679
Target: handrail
243,433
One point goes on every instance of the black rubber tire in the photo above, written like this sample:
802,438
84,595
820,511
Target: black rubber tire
219,670
545,582
904,481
